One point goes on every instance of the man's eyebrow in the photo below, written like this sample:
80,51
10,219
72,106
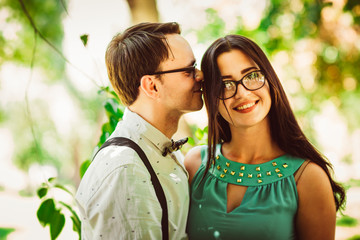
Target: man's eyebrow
242,72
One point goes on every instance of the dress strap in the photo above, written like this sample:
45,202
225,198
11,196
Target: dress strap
299,172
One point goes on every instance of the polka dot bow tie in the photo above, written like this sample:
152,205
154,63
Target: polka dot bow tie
174,146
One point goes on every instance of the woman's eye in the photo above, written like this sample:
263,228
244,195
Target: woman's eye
228,85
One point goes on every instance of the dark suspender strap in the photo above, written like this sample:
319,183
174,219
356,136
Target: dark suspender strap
121,141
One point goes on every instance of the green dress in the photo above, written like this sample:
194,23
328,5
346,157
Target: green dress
267,210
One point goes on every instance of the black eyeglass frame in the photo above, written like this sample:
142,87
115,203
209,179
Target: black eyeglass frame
237,82
185,69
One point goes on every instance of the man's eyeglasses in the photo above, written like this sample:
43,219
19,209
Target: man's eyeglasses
189,70
251,81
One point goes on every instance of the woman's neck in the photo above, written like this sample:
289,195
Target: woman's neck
251,145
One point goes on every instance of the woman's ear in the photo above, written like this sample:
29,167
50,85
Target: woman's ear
148,86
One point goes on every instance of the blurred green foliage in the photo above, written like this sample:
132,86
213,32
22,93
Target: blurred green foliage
287,26
356,237
47,17
4,232
51,210
32,36
347,221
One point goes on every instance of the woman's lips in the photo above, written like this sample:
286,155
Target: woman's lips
247,107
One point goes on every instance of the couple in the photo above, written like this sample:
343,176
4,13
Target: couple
258,177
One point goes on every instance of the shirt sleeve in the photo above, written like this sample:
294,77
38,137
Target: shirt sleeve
124,206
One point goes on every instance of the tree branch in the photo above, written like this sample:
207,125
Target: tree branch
37,31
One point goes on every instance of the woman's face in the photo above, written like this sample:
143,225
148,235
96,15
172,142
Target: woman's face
246,108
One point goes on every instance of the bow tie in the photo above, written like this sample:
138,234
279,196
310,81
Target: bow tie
174,146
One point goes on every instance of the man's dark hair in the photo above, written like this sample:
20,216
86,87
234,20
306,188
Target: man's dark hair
137,51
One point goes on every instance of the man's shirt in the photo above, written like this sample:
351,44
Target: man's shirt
116,198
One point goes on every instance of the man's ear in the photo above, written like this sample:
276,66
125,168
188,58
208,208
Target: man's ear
148,86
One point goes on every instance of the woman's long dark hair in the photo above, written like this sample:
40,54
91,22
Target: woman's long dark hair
284,128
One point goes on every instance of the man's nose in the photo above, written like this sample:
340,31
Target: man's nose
199,76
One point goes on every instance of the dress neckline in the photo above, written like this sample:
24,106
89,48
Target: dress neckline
252,174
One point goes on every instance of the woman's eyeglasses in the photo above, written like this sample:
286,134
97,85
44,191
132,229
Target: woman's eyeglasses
251,81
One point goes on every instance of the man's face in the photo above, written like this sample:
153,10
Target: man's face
180,91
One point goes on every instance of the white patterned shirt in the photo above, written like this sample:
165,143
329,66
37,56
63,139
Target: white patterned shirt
116,198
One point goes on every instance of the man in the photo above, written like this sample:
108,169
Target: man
152,69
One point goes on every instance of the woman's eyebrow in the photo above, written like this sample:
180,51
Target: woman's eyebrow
226,76
242,72
248,69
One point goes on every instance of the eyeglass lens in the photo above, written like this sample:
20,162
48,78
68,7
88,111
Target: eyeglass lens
251,82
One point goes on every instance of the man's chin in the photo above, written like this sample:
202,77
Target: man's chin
199,106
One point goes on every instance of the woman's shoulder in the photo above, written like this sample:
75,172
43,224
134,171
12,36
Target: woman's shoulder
193,160
314,185
312,172
317,209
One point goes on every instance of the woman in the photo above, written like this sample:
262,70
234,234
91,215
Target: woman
259,177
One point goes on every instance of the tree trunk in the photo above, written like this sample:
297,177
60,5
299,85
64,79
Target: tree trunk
143,11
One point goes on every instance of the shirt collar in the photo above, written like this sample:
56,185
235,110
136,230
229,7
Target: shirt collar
144,128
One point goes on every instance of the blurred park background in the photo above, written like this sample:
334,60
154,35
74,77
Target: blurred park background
56,105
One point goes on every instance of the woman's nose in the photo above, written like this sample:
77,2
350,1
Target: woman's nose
241,91
199,76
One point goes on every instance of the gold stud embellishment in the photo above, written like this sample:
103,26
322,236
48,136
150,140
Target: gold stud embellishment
259,175
241,174
280,175
274,164
228,164
225,170
218,167
260,181
285,165
217,157
249,175
222,175
239,180
242,168
277,170
257,168
232,173
268,173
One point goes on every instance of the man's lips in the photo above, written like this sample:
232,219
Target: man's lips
199,90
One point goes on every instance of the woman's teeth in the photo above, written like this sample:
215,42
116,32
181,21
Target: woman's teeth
245,106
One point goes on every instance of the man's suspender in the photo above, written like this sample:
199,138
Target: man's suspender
121,141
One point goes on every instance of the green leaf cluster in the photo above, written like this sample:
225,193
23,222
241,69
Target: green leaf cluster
283,27
50,212
347,221
4,232
47,17
114,111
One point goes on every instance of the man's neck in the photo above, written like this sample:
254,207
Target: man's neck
164,121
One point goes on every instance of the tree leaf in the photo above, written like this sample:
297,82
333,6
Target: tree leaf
41,192
57,224
63,188
76,225
46,211
75,218
84,166
199,134
52,179
84,39
191,141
